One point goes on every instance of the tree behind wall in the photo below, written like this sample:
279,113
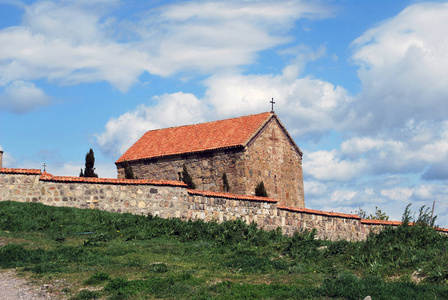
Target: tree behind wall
260,191
89,170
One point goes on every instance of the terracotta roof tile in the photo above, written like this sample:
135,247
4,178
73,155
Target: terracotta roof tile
231,196
221,134
318,212
20,171
48,177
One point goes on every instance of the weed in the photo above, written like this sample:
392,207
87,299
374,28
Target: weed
97,278
159,268
86,295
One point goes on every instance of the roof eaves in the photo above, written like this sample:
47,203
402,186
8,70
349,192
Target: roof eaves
180,153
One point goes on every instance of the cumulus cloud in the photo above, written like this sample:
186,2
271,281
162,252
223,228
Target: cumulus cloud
219,35
172,110
21,96
74,42
403,69
328,166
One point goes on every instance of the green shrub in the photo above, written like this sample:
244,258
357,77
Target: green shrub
86,295
159,268
260,190
97,278
303,245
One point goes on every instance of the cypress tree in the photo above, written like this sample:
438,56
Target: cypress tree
186,178
225,183
81,174
260,190
89,170
128,173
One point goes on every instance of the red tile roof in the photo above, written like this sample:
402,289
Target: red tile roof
231,196
221,134
318,212
48,177
20,171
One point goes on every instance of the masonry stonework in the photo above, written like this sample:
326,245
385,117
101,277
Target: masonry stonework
206,169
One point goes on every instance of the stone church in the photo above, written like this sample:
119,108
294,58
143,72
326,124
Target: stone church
249,149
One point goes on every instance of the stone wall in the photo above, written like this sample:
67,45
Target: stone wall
272,158
156,197
169,199
21,185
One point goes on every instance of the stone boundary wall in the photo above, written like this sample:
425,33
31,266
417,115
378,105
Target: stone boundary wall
172,199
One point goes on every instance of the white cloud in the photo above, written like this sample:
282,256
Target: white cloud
219,35
21,96
403,69
344,196
327,166
172,110
73,42
399,194
413,154
314,188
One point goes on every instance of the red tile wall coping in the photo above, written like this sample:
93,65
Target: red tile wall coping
319,212
48,177
231,196
380,222
392,223
20,171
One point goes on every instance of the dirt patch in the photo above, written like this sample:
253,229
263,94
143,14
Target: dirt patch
14,287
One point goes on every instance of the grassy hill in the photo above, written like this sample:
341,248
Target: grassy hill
101,255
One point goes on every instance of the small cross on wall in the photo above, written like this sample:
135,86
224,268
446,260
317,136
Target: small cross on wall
272,103
44,165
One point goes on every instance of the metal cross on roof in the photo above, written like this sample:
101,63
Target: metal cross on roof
44,165
272,107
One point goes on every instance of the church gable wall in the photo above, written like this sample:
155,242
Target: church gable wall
206,169
271,158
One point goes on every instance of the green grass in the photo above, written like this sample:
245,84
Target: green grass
102,255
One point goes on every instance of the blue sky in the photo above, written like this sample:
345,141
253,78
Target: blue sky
360,85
